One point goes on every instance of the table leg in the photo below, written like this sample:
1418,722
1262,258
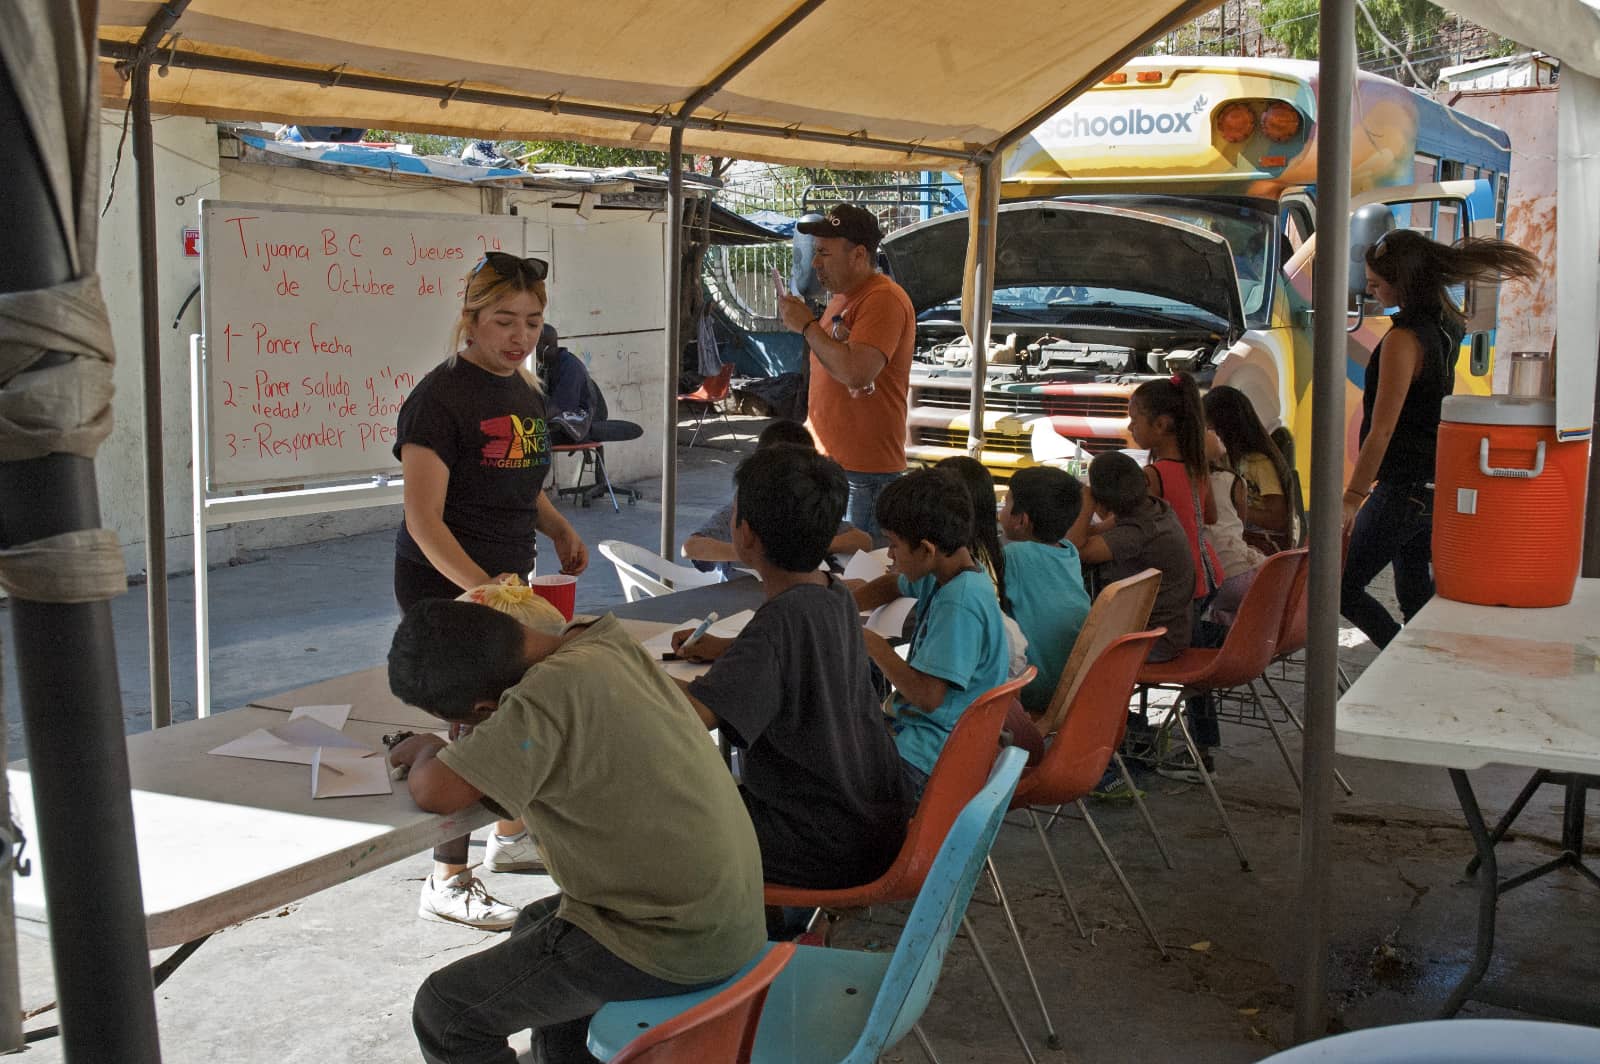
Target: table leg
158,975
1488,894
1537,780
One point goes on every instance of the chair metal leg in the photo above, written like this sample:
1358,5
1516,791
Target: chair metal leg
1277,737
1127,888
699,423
1066,895
922,1040
1344,680
1055,816
1144,810
1051,1039
1350,792
994,981
1211,787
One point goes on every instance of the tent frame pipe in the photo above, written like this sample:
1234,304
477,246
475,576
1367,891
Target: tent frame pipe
72,715
982,302
123,51
674,342
1330,297
155,496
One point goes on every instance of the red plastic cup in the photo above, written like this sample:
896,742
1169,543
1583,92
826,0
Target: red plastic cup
558,589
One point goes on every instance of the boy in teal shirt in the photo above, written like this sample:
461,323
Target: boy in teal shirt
1044,576
959,648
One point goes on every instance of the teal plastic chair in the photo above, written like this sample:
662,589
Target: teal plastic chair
835,1006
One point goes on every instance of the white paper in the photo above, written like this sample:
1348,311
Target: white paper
308,731
262,745
889,620
867,566
333,716
726,628
339,774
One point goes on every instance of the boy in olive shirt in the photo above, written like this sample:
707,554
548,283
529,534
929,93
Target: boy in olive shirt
640,824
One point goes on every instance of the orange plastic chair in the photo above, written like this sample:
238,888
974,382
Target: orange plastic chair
720,1028
1244,655
1090,733
959,774
712,391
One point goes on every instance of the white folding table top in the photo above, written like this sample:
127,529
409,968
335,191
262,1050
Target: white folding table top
222,839
1465,686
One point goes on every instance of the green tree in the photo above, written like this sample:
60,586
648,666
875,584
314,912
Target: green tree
1410,24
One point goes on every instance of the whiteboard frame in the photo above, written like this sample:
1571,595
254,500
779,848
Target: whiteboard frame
207,510
201,390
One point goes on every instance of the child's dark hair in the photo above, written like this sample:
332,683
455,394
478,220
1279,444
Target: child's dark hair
448,656
1178,398
1050,497
1229,412
793,499
1421,271
978,483
785,431
926,504
1117,483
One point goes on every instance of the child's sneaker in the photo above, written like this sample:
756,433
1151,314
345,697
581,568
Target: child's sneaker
1180,766
519,853
1114,787
462,899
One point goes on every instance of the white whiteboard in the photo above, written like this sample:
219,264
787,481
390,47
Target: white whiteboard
319,321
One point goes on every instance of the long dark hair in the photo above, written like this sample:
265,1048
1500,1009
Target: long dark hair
976,481
1229,412
1421,271
1178,397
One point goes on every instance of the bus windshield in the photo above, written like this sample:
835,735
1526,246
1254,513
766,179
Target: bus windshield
1246,227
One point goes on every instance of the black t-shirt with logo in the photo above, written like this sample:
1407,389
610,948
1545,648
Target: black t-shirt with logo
490,431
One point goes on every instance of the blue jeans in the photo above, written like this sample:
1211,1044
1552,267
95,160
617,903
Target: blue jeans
862,509
547,974
1394,527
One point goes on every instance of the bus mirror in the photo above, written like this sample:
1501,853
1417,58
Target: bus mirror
1367,226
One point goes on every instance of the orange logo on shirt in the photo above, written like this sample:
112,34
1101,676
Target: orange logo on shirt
514,442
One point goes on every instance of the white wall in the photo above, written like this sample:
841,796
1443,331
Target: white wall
606,299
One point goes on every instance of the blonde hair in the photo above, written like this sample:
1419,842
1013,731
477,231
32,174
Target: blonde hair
486,287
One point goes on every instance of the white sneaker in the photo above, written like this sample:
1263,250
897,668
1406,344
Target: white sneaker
462,899
520,854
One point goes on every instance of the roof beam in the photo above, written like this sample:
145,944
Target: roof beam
123,52
750,55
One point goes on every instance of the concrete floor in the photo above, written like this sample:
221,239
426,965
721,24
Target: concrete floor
330,978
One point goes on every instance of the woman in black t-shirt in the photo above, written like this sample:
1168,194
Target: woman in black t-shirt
1388,507
474,448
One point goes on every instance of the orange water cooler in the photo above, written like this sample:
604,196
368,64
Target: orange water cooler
1508,503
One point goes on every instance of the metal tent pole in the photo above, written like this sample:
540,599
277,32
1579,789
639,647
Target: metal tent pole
1330,298
155,497
674,340
984,212
71,702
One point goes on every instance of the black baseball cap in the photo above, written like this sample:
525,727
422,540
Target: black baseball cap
849,222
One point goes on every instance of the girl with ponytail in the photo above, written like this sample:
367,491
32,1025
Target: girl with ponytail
1388,505
1165,417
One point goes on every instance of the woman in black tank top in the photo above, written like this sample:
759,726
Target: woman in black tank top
1388,507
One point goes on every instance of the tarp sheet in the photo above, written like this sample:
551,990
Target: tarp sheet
940,73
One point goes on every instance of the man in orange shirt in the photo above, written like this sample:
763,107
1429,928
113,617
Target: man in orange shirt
860,353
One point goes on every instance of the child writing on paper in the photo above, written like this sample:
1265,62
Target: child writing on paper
821,776
959,648
584,737
710,547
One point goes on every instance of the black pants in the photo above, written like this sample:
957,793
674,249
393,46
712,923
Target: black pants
1395,526
414,582
548,975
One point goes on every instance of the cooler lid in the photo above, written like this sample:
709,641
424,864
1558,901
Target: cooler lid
1499,410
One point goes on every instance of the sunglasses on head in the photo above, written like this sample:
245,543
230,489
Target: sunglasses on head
508,265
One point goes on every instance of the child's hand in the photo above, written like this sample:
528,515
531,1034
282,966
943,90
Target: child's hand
707,648
417,748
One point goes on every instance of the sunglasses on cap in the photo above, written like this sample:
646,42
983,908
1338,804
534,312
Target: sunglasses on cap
508,266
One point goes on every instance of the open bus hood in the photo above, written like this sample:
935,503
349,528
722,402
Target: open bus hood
1050,242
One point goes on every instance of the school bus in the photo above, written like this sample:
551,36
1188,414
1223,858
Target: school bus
1228,146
